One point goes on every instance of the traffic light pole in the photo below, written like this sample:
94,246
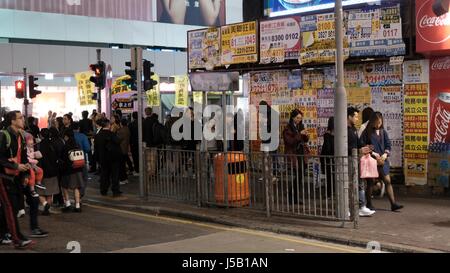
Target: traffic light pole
136,63
25,93
99,91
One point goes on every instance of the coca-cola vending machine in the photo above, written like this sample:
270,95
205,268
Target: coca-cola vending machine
440,100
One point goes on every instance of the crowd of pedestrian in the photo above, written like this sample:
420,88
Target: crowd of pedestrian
48,167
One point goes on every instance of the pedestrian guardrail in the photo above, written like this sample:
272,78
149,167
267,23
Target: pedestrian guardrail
317,187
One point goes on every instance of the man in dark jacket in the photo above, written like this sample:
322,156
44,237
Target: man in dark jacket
109,154
147,127
14,158
134,141
86,126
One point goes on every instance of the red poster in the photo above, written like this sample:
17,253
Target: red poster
433,32
440,100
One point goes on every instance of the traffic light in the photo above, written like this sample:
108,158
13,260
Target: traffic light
33,85
131,82
99,77
149,83
20,89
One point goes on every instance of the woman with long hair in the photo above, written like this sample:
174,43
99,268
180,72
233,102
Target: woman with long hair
378,139
295,146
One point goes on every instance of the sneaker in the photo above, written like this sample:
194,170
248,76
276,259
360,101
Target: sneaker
123,182
23,244
21,213
382,191
6,240
40,186
77,210
34,194
365,212
135,174
396,207
38,233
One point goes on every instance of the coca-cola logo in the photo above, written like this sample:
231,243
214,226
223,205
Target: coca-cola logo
431,28
441,64
441,122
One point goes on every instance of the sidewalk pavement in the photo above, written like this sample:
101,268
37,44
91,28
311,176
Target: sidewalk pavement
422,226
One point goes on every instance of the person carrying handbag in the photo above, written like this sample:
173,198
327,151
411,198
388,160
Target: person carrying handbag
377,138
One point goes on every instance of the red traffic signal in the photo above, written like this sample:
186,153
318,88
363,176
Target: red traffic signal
99,78
20,89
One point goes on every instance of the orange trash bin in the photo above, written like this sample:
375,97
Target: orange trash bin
237,178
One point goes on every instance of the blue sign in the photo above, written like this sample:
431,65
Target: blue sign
274,8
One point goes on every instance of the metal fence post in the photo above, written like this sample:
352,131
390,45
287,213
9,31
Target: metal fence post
199,177
146,177
267,181
355,182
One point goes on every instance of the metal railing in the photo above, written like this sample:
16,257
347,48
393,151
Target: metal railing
275,183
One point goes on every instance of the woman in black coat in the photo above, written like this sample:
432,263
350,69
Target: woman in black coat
58,144
49,164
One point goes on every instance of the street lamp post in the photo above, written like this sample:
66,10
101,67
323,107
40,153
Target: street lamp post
340,112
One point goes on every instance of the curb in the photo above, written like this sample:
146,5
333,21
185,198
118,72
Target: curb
233,222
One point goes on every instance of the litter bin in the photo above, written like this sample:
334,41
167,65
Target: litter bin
237,177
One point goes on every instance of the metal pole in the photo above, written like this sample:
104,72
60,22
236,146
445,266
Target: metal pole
225,147
1,112
355,182
25,92
340,106
99,92
138,57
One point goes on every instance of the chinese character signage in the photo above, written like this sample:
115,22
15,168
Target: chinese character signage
239,43
153,95
204,48
181,90
415,121
85,88
279,40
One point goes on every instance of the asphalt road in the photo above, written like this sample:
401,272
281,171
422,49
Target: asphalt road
101,229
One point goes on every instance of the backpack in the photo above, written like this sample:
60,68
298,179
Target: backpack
76,156
8,139
8,146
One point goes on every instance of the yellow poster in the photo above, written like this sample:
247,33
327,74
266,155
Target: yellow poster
416,171
117,86
153,95
181,90
359,98
197,97
85,88
239,43
416,144
416,106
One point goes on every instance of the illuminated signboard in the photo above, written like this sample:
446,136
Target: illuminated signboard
274,8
